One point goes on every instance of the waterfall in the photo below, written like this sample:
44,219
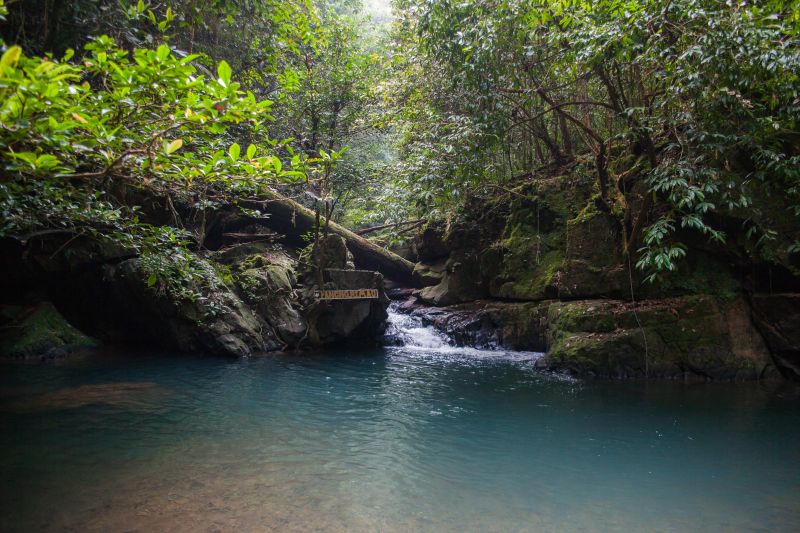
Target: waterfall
408,332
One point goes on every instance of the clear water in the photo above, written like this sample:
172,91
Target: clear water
424,437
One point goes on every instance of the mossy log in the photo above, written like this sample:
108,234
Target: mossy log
291,218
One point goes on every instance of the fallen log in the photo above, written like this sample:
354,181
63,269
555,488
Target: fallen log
293,220
411,223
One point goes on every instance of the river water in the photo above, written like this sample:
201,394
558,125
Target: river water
418,437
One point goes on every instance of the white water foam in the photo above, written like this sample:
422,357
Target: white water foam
413,335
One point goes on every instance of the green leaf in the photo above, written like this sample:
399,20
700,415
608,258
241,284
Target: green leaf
251,151
234,151
162,52
224,72
11,56
173,146
152,280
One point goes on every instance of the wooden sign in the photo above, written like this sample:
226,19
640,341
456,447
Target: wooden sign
347,294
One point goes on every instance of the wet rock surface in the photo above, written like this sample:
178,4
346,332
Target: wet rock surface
486,323
542,266
696,337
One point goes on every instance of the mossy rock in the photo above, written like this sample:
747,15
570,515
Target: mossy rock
428,274
533,246
263,282
461,282
234,255
41,332
699,274
696,336
582,279
592,236
531,280
429,244
268,289
581,316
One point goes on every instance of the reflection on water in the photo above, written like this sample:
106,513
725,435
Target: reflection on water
395,440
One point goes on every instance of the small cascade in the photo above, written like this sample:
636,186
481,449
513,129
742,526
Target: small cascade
408,333
406,330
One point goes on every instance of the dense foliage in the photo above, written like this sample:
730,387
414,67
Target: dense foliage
688,109
685,111
81,130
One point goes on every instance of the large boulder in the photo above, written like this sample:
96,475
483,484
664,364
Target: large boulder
460,282
207,317
429,244
266,282
694,336
594,265
488,324
357,320
429,274
331,252
218,322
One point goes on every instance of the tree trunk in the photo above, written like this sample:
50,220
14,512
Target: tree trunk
292,219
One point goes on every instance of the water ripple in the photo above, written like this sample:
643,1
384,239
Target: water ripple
392,440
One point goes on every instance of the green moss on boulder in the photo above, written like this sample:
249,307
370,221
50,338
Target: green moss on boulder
41,332
698,336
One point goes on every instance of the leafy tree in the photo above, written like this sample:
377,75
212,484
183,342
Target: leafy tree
76,136
688,109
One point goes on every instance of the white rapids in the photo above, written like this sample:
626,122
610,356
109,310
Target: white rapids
409,332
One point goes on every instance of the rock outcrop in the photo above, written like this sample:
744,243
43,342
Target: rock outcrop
686,337
243,299
355,321
336,321
541,266
693,337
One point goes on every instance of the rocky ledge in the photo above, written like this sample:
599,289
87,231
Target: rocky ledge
691,337
248,299
544,268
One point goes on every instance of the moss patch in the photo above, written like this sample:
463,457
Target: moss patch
674,337
41,332
529,280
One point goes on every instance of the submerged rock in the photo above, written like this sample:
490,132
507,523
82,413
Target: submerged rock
125,395
39,332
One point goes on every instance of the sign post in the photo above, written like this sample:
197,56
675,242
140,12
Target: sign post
347,294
